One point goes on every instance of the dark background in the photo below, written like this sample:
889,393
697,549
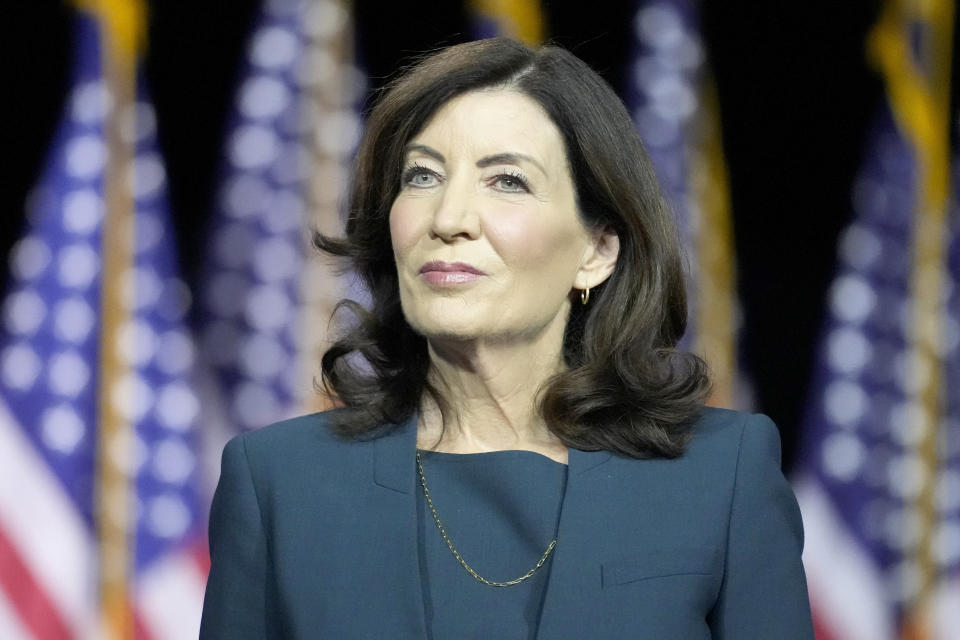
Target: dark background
796,98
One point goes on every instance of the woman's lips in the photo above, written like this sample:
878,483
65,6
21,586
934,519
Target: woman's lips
449,273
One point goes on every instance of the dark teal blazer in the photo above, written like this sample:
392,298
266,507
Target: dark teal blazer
315,537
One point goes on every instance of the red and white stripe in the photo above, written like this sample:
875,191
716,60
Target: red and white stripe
10,621
846,589
48,563
170,596
47,551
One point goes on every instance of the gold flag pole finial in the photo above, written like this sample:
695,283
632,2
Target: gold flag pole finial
520,19
124,23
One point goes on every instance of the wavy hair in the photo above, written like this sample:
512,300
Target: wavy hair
626,388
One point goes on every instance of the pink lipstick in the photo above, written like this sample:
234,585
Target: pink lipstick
449,273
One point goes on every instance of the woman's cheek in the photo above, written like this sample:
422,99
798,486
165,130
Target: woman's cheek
517,238
526,240
403,227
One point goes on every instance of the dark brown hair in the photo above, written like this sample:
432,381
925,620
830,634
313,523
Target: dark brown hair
626,388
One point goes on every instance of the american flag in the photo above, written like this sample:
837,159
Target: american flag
879,485
267,297
670,93
101,521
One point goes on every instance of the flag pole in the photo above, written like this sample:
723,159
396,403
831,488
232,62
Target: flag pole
920,100
122,27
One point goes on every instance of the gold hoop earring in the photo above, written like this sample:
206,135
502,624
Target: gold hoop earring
585,296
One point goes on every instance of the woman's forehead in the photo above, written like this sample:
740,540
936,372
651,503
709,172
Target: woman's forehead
490,122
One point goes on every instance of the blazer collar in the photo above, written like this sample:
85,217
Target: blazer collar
393,456
394,470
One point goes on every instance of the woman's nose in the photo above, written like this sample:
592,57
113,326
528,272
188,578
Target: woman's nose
456,214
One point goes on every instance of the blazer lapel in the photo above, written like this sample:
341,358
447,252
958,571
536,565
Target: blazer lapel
566,604
580,462
394,474
393,458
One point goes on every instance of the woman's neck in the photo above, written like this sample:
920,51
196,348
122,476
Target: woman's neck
490,388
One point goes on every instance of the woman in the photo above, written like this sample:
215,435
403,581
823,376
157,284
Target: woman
521,451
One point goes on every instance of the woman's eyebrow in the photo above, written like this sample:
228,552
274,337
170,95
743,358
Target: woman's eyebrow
425,150
509,158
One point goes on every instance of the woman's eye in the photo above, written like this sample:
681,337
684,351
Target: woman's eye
420,177
511,183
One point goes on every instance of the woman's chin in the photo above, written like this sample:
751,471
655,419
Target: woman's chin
451,330
437,318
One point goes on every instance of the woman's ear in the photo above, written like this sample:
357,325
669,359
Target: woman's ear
599,260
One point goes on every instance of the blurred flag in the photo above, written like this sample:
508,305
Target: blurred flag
101,525
267,296
879,484
518,19
675,109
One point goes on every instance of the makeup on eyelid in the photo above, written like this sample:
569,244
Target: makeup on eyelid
513,175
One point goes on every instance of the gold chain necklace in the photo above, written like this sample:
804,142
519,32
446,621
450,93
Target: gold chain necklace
443,533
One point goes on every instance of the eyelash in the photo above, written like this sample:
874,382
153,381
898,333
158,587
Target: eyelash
416,169
515,176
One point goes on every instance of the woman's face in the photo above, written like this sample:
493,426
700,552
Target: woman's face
485,231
